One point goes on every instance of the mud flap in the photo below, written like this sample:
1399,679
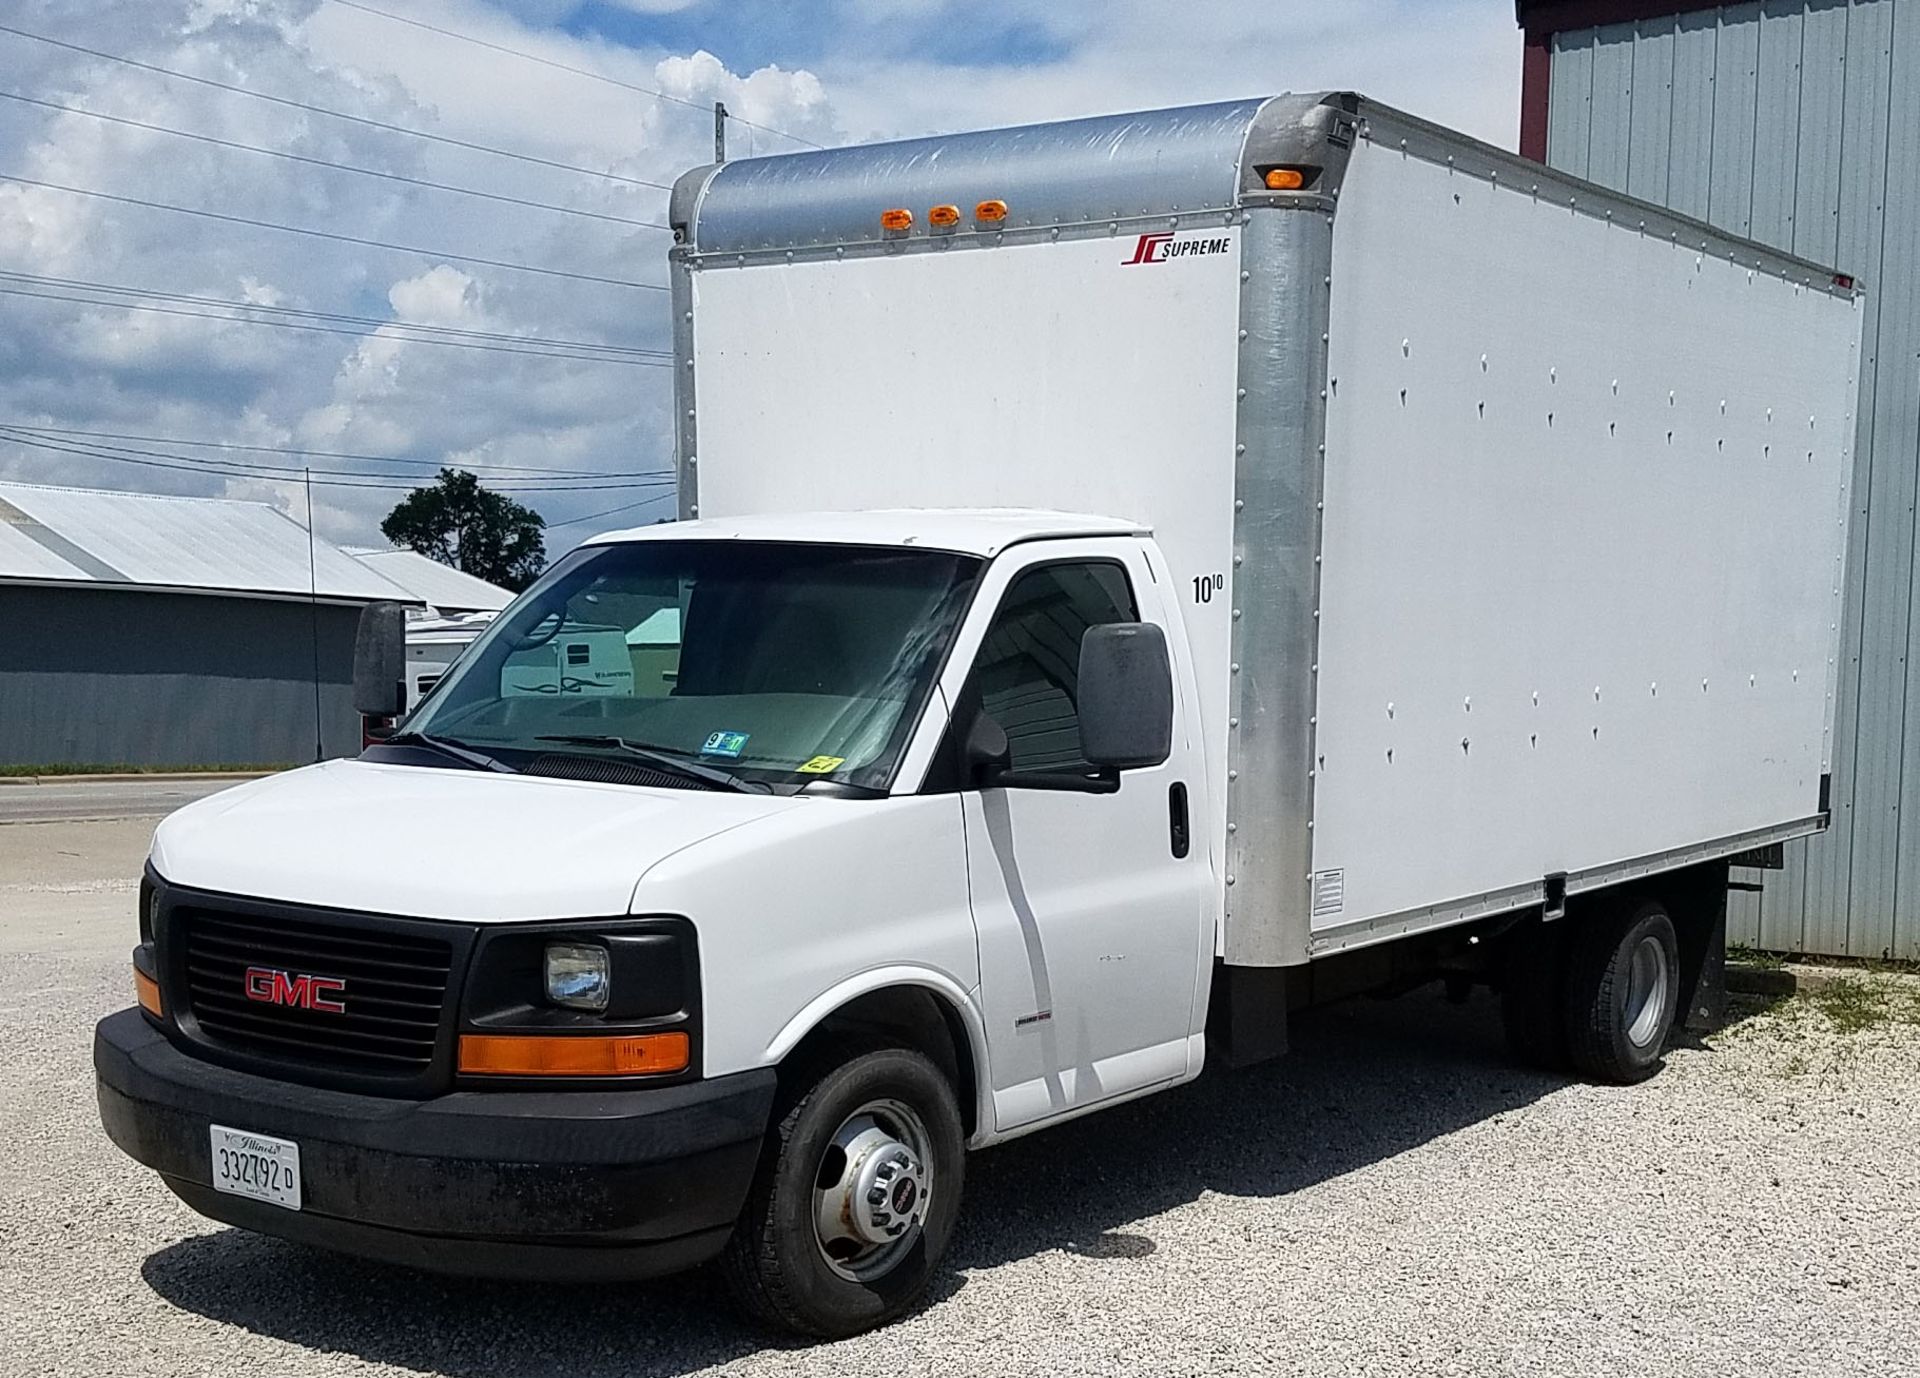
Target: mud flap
1698,909
1247,1019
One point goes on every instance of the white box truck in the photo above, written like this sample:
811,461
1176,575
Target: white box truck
1140,576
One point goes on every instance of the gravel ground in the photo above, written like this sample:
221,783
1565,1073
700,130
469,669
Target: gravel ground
1389,1199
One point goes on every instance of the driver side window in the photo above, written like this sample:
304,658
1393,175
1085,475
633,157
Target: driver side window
1026,676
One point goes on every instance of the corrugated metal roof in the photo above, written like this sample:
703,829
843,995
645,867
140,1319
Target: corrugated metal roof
83,535
441,586
22,557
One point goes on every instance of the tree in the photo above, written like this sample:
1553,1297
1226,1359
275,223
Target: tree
459,523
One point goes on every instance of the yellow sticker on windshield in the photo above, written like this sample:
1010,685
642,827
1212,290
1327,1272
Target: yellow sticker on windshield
821,765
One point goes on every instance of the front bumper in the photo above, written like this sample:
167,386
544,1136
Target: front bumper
536,1184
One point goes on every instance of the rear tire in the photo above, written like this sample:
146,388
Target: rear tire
1622,992
863,1141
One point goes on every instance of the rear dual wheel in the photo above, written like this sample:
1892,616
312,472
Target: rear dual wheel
1595,992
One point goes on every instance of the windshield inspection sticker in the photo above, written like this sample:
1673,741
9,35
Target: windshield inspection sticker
821,765
725,744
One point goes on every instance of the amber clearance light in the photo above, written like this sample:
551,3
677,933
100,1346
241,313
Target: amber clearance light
523,1055
1285,179
896,219
147,991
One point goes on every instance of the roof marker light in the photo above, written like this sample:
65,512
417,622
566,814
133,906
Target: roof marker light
990,211
944,217
896,219
1285,179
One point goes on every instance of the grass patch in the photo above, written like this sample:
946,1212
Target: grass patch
1755,957
1855,1004
57,768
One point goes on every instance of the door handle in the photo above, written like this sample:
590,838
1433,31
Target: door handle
1180,833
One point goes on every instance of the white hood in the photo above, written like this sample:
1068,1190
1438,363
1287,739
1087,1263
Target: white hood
441,844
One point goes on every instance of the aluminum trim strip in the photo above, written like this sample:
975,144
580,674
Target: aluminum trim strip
685,399
1366,932
1435,144
1280,452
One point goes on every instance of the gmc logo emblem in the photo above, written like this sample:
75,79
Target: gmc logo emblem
273,987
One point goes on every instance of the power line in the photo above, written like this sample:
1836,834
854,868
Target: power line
334,478
610,512
333,114
375,322
333,235
328,163
281,473
332,330
565,67
540,472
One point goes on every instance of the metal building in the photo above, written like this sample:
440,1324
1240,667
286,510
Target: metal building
1796,123
441,588
140,630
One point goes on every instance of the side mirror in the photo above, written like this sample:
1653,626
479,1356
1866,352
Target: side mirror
380,661
1126,696
987,751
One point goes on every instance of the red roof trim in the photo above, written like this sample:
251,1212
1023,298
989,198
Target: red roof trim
1536,78
1541,18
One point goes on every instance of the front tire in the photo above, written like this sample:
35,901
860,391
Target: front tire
1622,992
856,1196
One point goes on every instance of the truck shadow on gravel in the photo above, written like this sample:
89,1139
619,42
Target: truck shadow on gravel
1364,1082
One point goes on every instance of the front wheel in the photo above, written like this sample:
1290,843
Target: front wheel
855,1198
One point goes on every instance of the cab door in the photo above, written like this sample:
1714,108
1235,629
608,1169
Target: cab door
1092,904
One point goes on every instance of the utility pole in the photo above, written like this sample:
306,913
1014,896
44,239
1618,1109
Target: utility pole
719,132
313,619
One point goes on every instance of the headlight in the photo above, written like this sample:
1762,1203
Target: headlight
579,976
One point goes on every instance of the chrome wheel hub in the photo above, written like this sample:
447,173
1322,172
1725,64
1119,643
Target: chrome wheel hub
1644,1010
871,1190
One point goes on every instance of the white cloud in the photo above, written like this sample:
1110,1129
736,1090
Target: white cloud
439,296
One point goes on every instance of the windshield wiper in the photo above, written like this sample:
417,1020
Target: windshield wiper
467,755
663,757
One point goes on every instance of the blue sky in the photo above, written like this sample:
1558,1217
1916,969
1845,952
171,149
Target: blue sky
830,72
759,32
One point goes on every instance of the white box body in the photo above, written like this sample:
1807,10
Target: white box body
1507,514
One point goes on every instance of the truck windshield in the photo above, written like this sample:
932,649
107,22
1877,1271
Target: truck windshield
778,663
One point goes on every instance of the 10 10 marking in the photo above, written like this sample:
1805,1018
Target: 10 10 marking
1206,585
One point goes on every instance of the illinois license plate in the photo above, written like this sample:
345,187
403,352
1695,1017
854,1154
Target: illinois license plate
256,1165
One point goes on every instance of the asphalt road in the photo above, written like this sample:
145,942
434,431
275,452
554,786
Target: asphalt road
1390,1199
52,800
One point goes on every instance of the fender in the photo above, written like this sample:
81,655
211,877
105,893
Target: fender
943,987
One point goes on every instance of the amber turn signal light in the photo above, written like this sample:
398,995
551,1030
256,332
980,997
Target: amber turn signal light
522,1055
1285,179
990,211
147,991
896,219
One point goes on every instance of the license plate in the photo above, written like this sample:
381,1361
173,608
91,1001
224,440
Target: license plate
256,1165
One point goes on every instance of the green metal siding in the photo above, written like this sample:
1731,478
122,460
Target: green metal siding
117,676
1772,120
